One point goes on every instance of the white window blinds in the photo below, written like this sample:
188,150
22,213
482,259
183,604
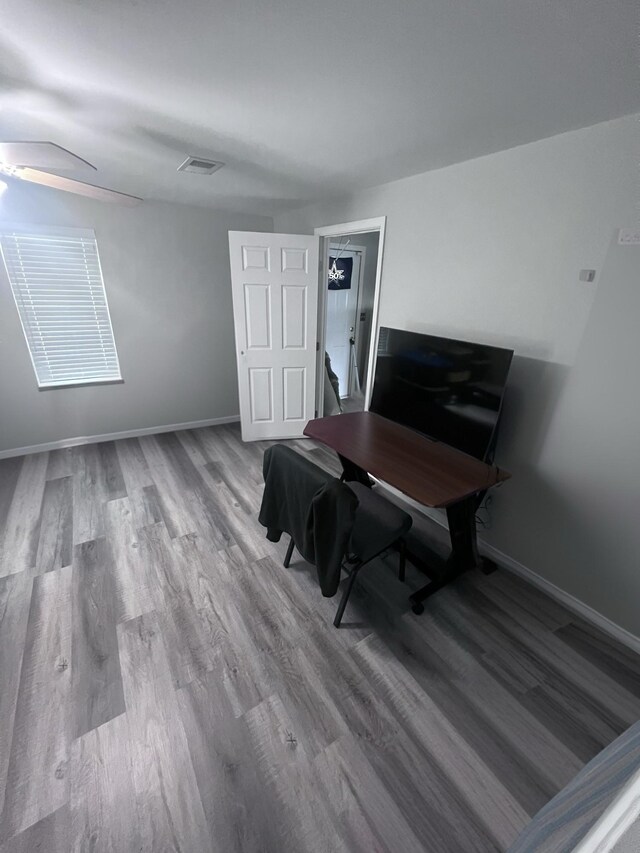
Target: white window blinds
57,285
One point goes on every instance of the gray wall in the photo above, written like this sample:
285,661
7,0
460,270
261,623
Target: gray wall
586,489
166,271
491,250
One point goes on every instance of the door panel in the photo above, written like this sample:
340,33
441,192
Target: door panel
257,316
256,258
295,260
274,281
294,317
294,381
261,394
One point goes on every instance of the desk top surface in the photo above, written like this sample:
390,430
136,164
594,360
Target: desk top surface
428,471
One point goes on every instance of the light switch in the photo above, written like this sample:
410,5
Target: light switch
587,275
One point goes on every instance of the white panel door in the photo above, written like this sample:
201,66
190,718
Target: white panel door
274,282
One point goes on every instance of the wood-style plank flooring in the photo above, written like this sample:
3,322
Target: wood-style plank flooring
166,685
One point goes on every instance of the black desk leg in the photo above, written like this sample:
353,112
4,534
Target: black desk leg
464,550
352,473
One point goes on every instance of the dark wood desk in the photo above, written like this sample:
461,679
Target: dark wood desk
430,472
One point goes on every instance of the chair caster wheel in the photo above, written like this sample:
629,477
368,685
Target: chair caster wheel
418,608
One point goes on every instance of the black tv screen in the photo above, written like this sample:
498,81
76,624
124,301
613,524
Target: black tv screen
449,390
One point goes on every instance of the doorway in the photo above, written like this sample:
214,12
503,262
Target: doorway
343,333
279,287
351,261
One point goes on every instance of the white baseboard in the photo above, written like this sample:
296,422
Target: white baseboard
506,562
570,601
113,436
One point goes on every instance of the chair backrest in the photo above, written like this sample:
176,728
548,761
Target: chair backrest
314,508
292,483
304,474
375,523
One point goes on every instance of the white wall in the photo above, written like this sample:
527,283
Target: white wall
491,250
166,271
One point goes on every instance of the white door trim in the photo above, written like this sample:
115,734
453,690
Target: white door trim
378,223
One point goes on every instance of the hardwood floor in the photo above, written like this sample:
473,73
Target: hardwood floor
167,685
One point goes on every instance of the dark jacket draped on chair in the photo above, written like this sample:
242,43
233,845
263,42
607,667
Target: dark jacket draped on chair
314,508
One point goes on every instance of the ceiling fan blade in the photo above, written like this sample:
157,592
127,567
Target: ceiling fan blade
35,176
41,155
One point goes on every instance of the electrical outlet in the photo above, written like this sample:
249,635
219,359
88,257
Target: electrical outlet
629,237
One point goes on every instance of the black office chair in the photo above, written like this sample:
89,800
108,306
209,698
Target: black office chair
379,526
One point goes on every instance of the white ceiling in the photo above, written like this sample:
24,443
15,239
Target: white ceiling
305,99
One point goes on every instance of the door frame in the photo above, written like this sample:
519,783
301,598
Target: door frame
362,252
326,233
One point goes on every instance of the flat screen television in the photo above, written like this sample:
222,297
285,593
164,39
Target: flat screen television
449,390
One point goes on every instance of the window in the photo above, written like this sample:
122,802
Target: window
57,284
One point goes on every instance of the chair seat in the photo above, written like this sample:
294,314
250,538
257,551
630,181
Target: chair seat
378,522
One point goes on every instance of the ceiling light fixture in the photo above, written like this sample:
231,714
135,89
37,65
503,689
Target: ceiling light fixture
31,162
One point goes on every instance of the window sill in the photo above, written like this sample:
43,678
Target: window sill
80,383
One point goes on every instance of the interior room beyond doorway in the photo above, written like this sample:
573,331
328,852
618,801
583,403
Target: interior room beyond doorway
349,307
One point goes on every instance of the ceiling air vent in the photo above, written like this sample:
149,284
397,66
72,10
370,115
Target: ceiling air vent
200,166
